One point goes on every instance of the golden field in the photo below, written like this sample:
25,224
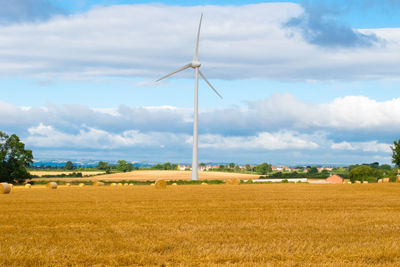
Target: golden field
193,225
145,175
84,173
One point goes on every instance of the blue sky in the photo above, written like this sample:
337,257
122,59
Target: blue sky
303,81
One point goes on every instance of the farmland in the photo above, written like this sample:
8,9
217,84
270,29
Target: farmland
144,175
275,224
84,173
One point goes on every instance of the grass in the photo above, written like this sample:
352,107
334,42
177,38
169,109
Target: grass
191,225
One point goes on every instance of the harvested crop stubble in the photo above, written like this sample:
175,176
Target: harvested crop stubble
52,185
5,188
247,225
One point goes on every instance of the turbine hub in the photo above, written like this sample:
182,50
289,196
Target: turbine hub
196,64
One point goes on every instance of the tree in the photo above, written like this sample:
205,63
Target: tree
124,166
102,165
232,165
364,172
14,159
263,168
69,166
396,153
313,170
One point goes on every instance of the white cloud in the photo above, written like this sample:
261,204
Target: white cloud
353,126
46,136
149,40
261,141
371,146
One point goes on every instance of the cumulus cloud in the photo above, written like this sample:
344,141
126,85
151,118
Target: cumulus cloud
371,146
352,126
237,42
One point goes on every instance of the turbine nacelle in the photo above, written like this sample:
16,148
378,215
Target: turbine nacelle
195,64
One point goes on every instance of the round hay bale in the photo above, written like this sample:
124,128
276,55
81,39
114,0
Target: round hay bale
52,185
5,188
379,181
236,181
68,184
126,184
349,182
203,183
130,185
385,180
81,185
119,184
97,183
174,184
161,184
358,182
113,184
11,185
153,184
398,179
28,186
365,182
228,181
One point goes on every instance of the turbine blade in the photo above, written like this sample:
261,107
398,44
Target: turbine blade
212,87
196,51
175,71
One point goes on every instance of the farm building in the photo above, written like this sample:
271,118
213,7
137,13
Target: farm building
334,179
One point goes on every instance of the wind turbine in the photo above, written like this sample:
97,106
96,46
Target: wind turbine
195,64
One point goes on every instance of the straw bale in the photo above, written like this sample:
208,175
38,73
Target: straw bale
174,184
126,184
11,185
152,184
67,184
97,183
236,181
119,184
51,185
130,185
398,179
81,185
385,180
113,184
349,182
203,183
358,182
28,186
5,188
379,181
161,184
365,182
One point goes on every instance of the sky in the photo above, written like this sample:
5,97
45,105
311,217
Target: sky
303,82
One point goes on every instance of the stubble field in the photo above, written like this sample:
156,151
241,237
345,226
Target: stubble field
192,225
145,175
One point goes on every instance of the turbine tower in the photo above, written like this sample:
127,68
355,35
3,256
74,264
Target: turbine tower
195,64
